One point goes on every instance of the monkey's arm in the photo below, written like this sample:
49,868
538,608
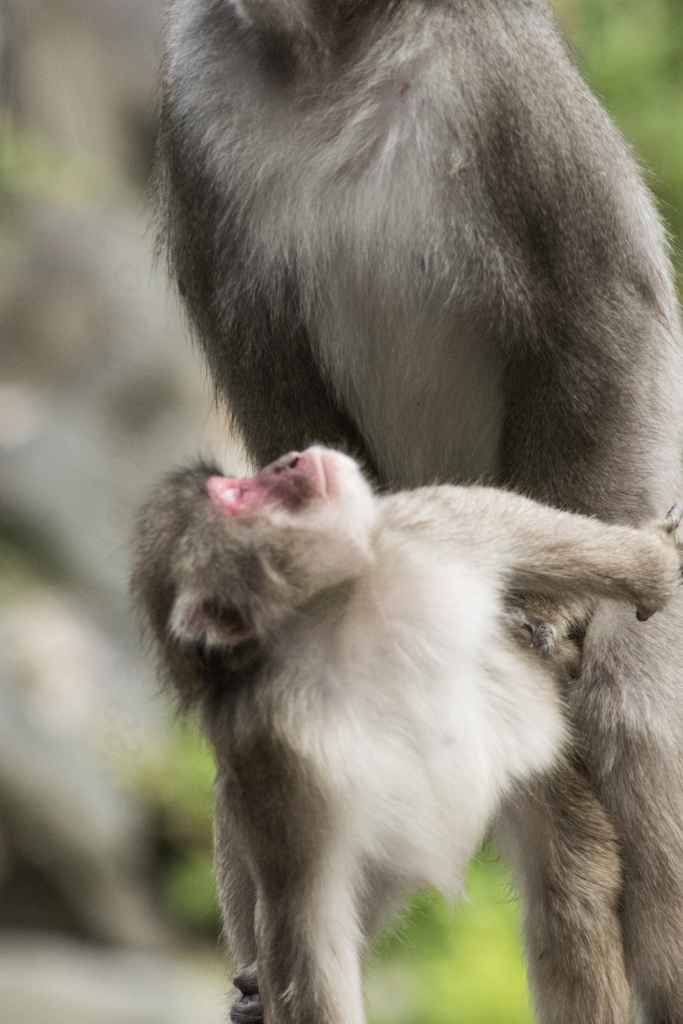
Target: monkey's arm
557,553
544,550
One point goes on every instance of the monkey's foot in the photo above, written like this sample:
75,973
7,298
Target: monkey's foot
247,1008
543,635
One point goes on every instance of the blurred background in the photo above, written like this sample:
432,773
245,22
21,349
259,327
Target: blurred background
107,911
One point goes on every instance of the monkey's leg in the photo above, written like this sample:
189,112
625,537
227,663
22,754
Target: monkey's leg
278,398
261,358
567,863
634,749
309,953
290,818
237,898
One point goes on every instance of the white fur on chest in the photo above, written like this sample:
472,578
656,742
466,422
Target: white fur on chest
419,714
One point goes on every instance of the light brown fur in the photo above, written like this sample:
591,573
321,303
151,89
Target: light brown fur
343,649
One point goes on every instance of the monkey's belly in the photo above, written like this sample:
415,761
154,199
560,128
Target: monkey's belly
437,418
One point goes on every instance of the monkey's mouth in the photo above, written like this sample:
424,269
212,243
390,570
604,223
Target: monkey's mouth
293,480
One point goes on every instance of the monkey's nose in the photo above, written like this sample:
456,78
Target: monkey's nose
289,461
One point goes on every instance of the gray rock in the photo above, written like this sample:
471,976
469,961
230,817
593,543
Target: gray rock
44,980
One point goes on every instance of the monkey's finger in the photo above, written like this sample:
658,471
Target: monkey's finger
674,517
247,980
543,638
247,1009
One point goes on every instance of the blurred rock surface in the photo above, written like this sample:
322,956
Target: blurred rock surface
67,982
100,393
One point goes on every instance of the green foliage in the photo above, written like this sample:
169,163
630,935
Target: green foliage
189,892
19,572
177,780
460,965
33,170
176,784
631,52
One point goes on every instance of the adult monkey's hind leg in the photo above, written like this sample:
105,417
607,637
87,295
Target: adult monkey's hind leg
566,860
634,749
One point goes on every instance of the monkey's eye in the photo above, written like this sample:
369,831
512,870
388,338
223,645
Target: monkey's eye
281,465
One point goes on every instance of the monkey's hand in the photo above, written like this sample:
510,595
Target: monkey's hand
551,631
247,1009
540,635
669,527
672,522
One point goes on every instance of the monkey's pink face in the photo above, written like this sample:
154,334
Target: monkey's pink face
292,481
319,494
308,519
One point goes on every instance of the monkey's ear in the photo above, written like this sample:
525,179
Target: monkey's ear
196,619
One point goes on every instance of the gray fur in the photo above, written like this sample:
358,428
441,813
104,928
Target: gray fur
406,227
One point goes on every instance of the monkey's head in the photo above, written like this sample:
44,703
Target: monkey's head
222,561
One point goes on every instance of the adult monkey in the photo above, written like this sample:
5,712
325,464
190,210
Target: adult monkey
406,227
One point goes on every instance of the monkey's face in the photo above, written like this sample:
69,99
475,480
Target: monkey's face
314,506
293,482
319,486
252,551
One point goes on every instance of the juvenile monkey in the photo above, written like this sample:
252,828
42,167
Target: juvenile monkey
367,705
407,228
